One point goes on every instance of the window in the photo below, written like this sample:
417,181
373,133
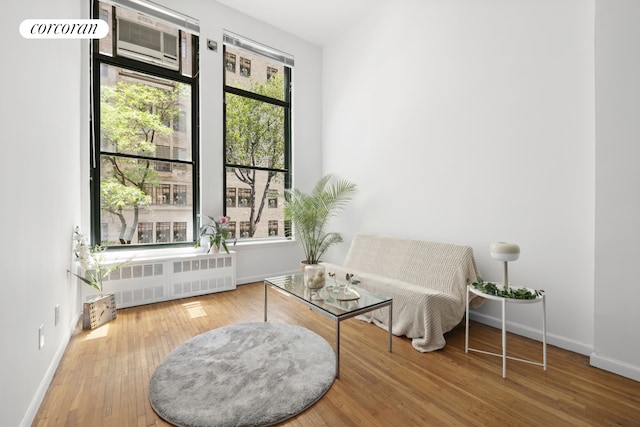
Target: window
231,197
180,195
245,67
244,197
145,232
273,200
163,194
273,227
245,228
232,230
271,72
257,137
145,108
179,231
230,62
163,230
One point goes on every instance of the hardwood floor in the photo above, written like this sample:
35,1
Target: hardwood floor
103,377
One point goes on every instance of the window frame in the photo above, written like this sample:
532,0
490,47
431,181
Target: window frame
288,111
95,151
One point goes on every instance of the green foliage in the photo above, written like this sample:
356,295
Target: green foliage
133,117
133,114
491,288
309,214
115,197
255,133
216,231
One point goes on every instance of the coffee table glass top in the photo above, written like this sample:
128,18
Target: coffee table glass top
335,303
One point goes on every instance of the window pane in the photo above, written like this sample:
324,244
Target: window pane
106,43
144,115
255,133
255,189
163,232
144,135
186,47
135,193
254,73
179,231
145,232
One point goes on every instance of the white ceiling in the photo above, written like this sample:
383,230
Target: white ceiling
315,21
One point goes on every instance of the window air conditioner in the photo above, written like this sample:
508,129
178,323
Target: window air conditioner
147,44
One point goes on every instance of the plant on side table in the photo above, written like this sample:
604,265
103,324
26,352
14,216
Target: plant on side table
95,269
491,288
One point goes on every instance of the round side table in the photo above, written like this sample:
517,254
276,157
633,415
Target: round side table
504,301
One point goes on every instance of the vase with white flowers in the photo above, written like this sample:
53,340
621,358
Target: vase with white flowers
95,269
92,261
215,233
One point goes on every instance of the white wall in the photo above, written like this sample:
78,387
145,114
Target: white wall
617,337
45,177
255,261
43,124
472,122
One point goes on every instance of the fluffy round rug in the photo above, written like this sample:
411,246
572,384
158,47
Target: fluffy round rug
248,374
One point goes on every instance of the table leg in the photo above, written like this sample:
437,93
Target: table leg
466,327
544,333
390,324
337,348
504,339
265,302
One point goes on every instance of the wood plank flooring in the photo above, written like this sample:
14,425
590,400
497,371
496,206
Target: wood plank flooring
103,377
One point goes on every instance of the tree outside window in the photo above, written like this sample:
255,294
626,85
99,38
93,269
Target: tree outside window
143,113
257,143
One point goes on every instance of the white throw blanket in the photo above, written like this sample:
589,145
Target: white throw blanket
427,281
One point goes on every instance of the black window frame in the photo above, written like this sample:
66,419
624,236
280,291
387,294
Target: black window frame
96,59
286,103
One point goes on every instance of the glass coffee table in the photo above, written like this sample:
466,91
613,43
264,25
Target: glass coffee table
335,305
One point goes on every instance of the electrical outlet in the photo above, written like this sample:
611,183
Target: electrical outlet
41,336
57,315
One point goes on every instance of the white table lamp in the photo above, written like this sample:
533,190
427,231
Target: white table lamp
505,252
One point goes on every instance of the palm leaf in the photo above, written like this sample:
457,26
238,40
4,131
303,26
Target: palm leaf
309,214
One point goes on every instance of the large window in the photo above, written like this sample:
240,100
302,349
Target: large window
144,121
257,136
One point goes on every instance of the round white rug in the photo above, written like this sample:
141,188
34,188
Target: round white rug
248,374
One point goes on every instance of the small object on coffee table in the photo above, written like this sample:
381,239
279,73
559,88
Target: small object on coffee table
339,293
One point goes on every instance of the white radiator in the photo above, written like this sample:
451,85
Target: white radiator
161,279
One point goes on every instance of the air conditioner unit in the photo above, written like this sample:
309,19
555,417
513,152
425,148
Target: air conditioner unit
147,44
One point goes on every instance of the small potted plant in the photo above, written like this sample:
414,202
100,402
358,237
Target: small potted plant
215,233
94,270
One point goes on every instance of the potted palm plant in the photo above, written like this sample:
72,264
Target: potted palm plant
307,215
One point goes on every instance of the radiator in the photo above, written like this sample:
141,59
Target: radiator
161,279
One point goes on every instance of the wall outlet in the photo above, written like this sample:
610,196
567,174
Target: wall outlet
41,336
56,315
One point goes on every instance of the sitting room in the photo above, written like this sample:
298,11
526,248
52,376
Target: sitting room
176,140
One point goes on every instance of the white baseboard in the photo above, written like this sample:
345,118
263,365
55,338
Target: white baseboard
260,278
32,411
616,366
534,334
